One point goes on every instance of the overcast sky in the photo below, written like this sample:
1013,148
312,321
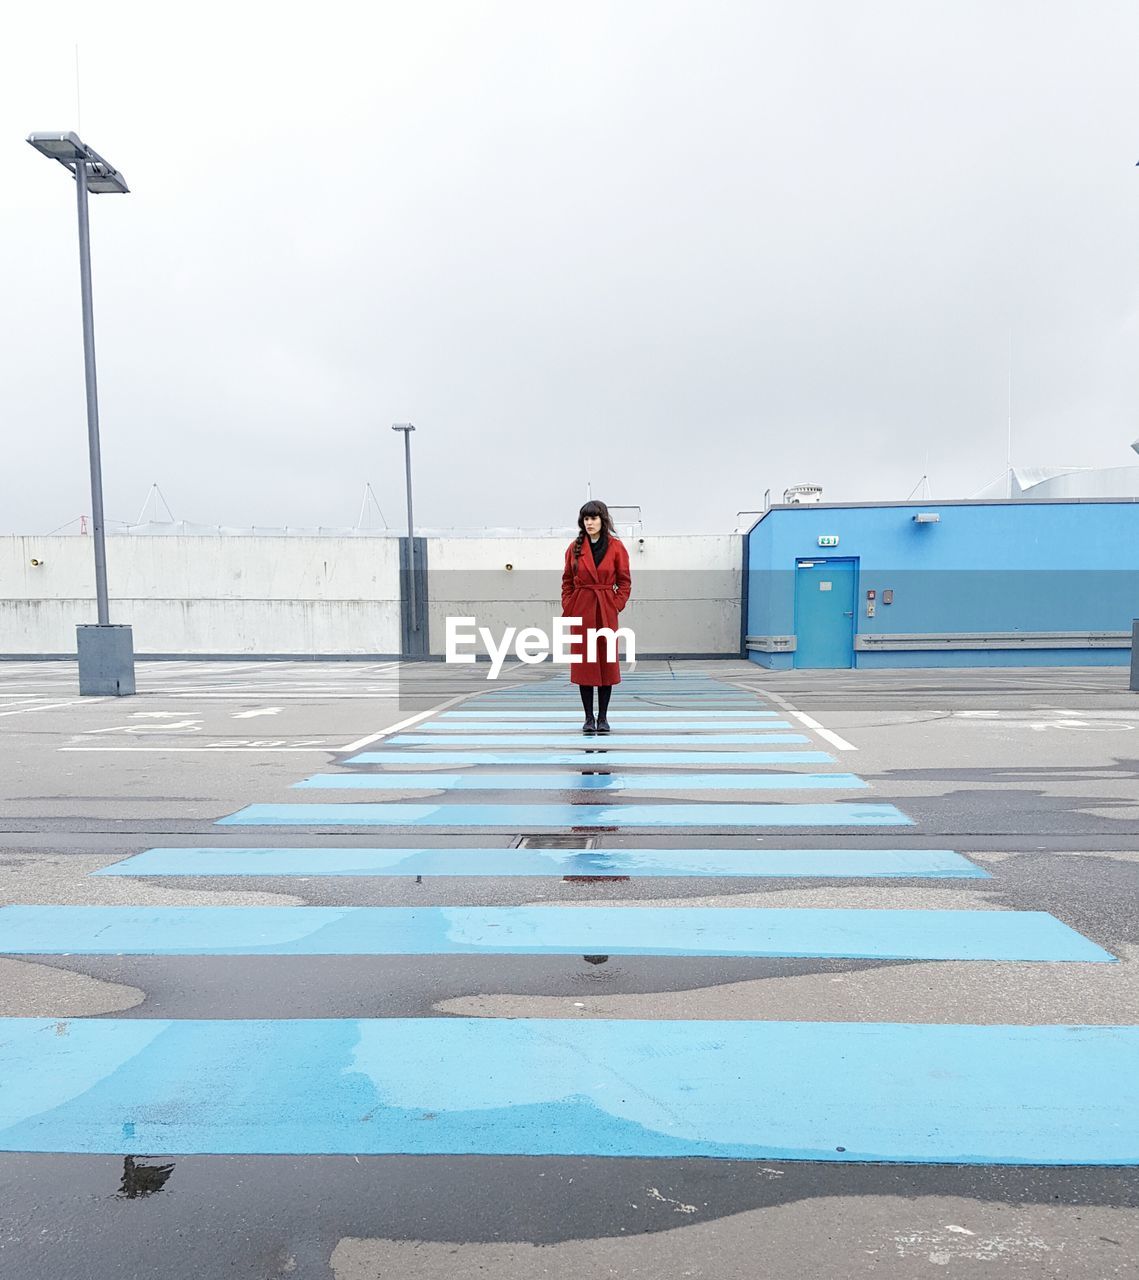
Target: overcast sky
690,251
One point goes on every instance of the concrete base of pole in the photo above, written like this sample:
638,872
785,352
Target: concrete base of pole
106,660
1135,656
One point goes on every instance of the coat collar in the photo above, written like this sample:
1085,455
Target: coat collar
585,566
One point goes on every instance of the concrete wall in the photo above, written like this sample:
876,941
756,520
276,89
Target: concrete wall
1004,583
685,600
341,596
206,595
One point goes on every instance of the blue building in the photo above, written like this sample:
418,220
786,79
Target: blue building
938,584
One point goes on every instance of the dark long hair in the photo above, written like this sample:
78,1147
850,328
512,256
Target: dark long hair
591,508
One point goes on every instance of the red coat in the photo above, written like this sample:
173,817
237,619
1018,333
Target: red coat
596,594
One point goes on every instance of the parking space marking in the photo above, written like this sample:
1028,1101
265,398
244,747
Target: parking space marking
247,747
828,735
403,724
49,706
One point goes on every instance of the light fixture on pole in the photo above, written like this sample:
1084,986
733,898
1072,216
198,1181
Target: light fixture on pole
106,652
407,428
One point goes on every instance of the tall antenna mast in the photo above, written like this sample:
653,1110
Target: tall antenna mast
1008,449
369,492
157,495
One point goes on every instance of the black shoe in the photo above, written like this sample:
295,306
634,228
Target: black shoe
590,725
602,725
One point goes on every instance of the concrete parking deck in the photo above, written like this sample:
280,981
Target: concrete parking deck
832,969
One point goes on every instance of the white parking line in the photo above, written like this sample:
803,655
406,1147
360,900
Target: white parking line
298,697
326,750
828,735
46,706
404,724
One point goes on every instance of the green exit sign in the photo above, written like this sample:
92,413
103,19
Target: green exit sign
828,539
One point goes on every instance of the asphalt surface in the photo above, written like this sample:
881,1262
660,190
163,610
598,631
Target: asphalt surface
1033,774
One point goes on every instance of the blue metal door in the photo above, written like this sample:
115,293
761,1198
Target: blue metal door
824,613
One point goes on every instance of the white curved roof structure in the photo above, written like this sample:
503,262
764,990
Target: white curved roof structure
1066,482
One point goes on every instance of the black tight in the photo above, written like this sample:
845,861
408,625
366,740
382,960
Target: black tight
603,692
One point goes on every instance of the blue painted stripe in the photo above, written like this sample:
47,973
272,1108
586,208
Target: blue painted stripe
700,700
503,724
658,931
642,713
322,861
626,707
627,690
583,782
502,699
529,817
835,1091
630,706
632,680
594,755
568,738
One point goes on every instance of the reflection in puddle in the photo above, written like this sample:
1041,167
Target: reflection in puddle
142,1179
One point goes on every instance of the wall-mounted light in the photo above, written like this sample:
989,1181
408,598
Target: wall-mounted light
927,517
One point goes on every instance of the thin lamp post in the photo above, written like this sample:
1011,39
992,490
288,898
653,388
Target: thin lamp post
407,428
92,174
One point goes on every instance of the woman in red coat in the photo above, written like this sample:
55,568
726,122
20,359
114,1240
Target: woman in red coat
595,588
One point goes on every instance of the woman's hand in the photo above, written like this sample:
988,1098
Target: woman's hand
624,584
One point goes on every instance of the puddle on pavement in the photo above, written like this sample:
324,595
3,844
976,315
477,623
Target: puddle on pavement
141,1179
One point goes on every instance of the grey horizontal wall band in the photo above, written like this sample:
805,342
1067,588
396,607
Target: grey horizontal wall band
994,640
772,644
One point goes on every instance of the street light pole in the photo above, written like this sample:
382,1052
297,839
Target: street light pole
98,531
106,652
407,428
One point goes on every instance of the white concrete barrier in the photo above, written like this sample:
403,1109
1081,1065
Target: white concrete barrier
340,595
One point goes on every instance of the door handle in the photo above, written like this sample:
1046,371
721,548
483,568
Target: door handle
848,613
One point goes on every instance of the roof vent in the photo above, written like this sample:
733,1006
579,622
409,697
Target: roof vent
799,493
